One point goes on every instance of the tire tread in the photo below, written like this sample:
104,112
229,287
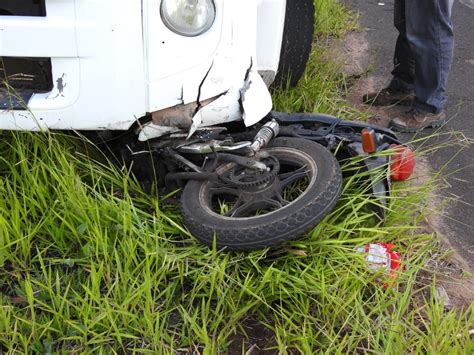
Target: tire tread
268,234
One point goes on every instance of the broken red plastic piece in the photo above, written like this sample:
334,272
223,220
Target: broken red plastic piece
395,260
381,256
403,163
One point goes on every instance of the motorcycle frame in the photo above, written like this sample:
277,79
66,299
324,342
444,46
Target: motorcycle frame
341,137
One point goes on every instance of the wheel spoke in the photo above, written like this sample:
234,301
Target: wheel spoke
288,178
241,204
301,169
273,203
236,205
282,200
224,190
240,209
283,176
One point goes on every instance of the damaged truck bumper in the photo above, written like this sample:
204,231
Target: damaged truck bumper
248,99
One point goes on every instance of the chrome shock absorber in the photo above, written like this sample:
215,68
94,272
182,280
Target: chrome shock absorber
264,136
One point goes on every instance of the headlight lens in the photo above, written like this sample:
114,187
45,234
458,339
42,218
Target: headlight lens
188,17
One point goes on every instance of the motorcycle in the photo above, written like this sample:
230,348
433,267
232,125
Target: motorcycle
249,188
188,82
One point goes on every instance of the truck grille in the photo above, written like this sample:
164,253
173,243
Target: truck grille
22,77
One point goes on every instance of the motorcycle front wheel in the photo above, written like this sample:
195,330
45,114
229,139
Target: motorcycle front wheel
246,209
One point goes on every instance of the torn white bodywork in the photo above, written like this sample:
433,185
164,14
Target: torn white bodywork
256,100
114,61
151,130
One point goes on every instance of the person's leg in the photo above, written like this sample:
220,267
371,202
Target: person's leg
403,61
401,88
430,35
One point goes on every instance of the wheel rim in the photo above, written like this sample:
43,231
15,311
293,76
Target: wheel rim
297,173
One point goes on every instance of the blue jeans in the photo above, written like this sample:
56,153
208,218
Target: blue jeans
424,51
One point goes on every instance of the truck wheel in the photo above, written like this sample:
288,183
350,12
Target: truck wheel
247,209
296,42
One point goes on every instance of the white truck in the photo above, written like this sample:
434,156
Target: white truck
104,64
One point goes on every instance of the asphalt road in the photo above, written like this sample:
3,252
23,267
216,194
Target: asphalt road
457,164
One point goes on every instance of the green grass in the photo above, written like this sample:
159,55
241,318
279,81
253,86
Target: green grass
320,88
91,263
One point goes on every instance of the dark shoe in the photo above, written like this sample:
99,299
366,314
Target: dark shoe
416,120
387,97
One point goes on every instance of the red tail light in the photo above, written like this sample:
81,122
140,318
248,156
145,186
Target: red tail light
403,163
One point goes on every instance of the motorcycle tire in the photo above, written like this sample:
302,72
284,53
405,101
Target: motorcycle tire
296,42
324,181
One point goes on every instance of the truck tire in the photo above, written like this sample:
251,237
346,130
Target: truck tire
296,42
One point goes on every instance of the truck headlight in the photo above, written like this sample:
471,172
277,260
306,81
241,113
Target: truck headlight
188,17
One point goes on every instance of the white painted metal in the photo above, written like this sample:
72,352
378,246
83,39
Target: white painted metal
54,36
270,26
117,61
151,130
181,63
258,102
103,79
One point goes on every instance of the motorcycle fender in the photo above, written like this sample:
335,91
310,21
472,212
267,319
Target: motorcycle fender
380,185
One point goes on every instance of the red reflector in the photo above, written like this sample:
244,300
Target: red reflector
369,144
403,163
